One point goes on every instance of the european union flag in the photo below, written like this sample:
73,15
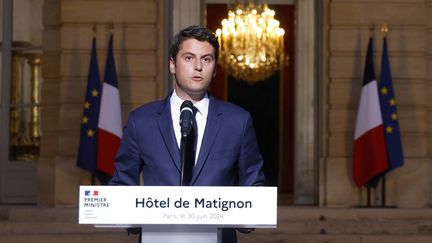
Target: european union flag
87,153
389,113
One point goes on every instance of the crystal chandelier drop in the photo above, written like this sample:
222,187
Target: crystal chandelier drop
251,42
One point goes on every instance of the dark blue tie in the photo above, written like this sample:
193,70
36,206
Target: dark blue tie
191,151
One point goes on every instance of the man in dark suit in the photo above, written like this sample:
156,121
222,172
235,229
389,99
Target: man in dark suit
228,153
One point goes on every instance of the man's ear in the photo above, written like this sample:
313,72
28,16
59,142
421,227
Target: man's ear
172,65
214,72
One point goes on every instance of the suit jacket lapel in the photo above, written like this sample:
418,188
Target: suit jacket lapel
164,121
212,128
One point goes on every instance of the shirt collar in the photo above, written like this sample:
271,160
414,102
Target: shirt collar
176,103
201,105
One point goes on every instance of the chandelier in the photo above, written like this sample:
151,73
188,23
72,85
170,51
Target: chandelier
251,42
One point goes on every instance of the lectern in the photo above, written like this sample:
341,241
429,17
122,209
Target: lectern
178,214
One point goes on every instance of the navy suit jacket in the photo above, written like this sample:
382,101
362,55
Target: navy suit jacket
229,153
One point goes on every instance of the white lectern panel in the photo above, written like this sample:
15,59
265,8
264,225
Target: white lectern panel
205,206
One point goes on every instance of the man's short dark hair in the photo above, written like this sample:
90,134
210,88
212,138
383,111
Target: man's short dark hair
194,32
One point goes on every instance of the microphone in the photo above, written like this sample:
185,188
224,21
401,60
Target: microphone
186,118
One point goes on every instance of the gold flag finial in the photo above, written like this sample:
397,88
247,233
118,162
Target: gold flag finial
94,28
384,28
111,28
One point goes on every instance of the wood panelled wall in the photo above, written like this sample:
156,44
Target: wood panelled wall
347,26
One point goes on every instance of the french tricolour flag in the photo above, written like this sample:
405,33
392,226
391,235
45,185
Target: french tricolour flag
110,123
370,154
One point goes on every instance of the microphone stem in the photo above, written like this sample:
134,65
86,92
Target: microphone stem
183,149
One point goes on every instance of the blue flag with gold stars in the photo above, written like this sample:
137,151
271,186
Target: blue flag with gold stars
87,153
389,113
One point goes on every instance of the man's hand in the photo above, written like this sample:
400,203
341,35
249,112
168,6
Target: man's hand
245,230
134,230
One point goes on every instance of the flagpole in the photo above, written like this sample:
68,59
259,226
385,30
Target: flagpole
368,203
384,30
93,175
383,191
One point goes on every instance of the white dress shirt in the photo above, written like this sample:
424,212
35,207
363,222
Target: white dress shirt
201,118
